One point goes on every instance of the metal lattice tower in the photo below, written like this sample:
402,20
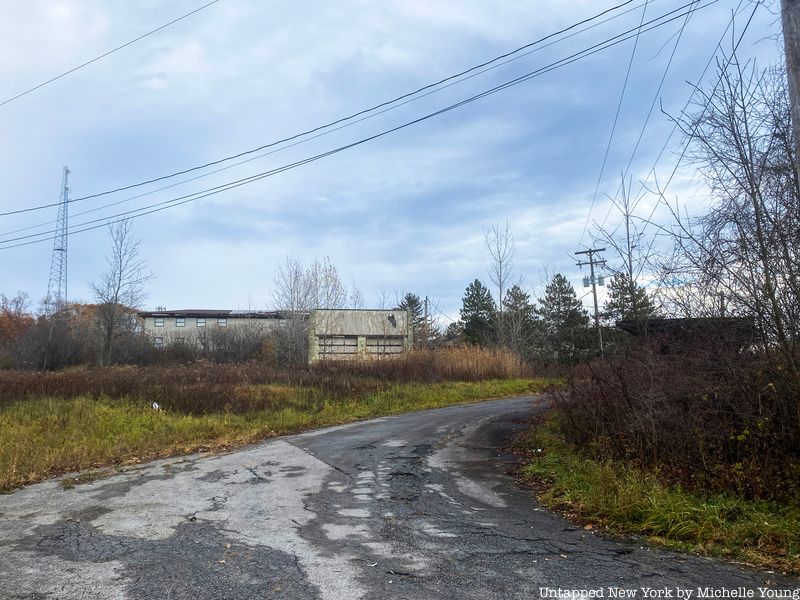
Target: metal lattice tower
57,285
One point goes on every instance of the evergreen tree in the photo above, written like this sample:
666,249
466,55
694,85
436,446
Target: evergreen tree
619,307
564,321
453,333
412,303
477,313
521,322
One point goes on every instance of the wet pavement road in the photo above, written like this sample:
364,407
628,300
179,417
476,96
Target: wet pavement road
414,506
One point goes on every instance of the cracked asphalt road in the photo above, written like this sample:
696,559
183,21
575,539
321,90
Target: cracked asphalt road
414,506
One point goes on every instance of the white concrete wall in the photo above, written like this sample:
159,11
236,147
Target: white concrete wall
350,334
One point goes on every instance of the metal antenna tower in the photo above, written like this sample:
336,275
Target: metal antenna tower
56,297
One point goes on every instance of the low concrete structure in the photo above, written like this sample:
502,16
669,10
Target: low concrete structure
333,334
358,333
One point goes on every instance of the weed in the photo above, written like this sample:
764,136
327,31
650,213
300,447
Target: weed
623,498
42,437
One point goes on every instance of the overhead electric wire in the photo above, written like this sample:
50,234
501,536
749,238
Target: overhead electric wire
112,51
613,126
347,118
642,183
662,191
610,42
323,133
656,96
230,185
695,87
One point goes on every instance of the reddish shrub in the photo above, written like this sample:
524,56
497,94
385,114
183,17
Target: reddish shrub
712,419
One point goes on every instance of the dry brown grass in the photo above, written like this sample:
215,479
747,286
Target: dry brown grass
205,387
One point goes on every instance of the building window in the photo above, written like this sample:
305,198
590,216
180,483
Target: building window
180,322
222,322
158,342
201,321
159,321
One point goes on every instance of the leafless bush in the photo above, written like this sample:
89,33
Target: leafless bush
709,418
743,256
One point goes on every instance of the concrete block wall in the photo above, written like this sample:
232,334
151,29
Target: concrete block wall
342,334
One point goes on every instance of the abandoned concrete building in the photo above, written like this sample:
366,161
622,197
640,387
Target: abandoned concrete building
333,334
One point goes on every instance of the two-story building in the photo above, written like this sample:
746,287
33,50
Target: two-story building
333,334
166,326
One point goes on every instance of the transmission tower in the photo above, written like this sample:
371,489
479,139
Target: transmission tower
56,297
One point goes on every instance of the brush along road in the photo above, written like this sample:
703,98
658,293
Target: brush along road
414,506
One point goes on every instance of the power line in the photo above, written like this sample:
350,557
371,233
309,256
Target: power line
650,111
651,172
352,116
649,219
610,42
112,51
318,135
613,127
705,106
622,37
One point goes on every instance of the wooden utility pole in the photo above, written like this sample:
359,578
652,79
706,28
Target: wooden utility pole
592,262
790,16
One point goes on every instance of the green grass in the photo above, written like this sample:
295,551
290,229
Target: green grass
44,436
623,499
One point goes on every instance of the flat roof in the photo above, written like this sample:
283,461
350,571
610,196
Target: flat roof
249,314
215,313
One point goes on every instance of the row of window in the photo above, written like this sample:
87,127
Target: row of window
181,322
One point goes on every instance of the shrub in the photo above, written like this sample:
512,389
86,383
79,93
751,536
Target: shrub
712,419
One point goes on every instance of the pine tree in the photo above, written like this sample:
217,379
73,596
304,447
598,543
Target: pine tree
619,307
521,322
564,321
453,333
412,303
478,312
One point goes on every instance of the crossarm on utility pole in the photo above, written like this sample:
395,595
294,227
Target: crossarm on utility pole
592,262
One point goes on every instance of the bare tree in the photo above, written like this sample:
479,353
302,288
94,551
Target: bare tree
120,289
290,287
291,294
356,296
325,286
747,249
383,297
298,290
499,241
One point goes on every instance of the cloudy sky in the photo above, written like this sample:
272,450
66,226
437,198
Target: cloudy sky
403,212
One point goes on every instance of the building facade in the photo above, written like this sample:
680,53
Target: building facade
168,326
333,334
358,333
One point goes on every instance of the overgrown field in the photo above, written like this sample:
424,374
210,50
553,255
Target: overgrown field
622,498
52,423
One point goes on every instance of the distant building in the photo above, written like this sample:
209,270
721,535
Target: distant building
358,333
333,334
691,334
166,326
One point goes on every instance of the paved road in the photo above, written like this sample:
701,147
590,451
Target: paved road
415,506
